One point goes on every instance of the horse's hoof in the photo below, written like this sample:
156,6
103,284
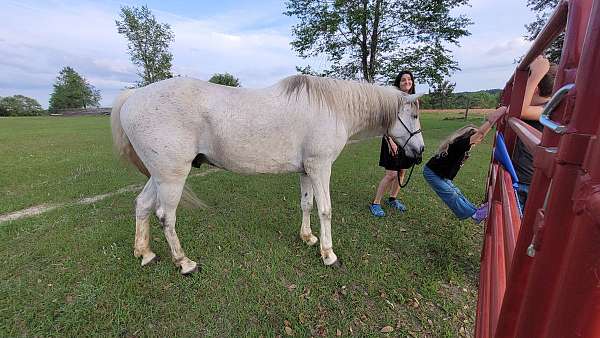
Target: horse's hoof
337,265
312,240
189,268
149,259
190,272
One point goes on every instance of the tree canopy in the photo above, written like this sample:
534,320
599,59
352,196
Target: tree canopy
543,10
19,105
443,98
225,79
71,90
148,43
373,39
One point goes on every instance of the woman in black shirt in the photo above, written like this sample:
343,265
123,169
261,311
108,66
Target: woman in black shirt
450,156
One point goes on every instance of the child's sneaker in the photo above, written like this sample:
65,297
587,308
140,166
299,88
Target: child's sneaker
376,210
480,214
394,203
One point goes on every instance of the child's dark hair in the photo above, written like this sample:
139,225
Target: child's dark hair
546,84
399,77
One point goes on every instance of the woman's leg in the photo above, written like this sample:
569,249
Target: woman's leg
395,187
384,185
450,194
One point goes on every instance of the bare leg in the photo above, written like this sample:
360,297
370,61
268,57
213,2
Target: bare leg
395,187
306,198
320,180
169,193
384,185
145,203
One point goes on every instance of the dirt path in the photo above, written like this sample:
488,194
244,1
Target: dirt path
42,208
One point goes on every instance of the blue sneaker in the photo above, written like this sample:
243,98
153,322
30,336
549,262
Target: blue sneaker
396,205
376,210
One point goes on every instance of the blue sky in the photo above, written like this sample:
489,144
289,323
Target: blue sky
249,39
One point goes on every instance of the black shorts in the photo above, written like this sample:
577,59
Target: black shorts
386,159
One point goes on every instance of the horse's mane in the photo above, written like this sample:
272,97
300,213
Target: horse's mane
375,105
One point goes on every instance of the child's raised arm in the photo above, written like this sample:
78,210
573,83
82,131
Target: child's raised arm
487,125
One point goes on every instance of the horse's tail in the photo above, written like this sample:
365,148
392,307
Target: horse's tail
120,140
126,152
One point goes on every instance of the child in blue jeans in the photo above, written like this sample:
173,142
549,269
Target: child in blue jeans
452,153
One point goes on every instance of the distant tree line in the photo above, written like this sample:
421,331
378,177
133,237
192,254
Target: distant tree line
19,105
448,100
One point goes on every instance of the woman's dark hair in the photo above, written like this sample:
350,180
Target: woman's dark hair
546,84
399,77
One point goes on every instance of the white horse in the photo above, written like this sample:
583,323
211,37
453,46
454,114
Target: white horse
301,124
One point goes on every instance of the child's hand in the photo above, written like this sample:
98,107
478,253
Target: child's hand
496,114
539,66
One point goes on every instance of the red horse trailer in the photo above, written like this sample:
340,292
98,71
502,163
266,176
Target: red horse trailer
540,274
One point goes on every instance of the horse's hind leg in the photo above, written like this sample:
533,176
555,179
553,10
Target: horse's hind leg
145,204
306,202
169,194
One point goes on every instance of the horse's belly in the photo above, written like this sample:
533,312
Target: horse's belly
257,164
262,168
266,169
262,154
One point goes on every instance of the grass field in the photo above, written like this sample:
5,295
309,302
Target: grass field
71,271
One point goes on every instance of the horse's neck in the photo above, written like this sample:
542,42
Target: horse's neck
365,134
358,130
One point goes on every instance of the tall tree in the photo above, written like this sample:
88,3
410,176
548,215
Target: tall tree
148,43
71,90
441,96
225,79
543,10
373,39
19,105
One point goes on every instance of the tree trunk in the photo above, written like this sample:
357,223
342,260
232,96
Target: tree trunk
363,43
374,39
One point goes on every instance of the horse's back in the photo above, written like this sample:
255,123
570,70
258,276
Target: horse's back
239,129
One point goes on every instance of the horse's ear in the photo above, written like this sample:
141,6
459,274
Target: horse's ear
414,97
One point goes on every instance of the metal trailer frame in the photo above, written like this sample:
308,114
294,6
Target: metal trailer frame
540,275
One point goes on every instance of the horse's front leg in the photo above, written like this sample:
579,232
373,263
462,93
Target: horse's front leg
169,194
320,176
306,202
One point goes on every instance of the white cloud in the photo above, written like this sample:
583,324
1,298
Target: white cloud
510,47
487,56
38,38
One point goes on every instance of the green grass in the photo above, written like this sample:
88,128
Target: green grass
71,272
48,159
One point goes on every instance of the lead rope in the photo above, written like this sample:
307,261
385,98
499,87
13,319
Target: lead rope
408,179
